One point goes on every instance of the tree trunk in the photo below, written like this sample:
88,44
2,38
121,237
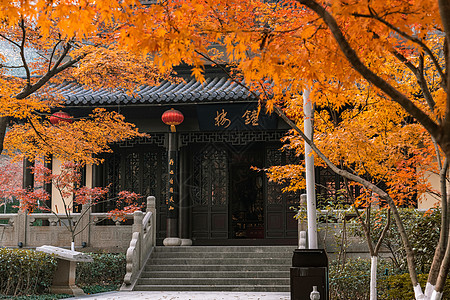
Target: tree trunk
373,277
440,249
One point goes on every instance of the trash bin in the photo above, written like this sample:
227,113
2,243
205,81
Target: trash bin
309,268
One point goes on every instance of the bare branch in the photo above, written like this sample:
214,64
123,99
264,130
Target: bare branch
364,224
44,79
383,233
414,39
22,54
10,40
52,54
11,67
419,73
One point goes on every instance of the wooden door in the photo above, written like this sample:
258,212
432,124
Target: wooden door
209,192
142,170
280,222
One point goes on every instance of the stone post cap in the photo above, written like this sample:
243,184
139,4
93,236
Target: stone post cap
65,254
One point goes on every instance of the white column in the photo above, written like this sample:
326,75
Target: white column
309,166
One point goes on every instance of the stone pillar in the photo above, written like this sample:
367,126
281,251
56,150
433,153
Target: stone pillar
172,237
184,228
48,185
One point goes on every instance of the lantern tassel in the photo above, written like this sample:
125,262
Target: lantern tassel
172,128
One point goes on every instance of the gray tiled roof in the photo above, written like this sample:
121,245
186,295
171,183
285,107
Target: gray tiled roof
214,89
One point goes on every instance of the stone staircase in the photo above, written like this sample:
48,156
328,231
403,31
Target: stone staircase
217,268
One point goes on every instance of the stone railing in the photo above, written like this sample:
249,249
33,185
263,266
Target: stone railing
336,233
37,229
142,242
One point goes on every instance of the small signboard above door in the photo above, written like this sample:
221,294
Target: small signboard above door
243,116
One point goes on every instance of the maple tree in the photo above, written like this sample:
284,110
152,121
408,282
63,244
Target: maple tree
342,49
47,42
68,185
44,43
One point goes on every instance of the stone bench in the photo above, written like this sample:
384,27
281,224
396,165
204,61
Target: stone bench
64,277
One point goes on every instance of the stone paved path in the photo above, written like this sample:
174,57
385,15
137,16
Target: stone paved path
187,296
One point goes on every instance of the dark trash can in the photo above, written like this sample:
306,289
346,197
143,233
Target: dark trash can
309,269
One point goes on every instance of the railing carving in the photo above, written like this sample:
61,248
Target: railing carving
142,242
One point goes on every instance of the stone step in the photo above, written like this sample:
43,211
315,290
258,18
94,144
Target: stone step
284,255
217,268
216,274
215,261
277,249
214,281
241,288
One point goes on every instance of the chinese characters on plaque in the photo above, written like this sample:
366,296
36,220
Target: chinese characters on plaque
221,119
250,117
237,116
170,193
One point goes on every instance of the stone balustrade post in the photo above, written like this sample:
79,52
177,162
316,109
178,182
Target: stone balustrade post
151,208
85,222
138,217
21,227
137,227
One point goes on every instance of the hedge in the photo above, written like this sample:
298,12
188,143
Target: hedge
106,269
24,272
399,287
27,272
352,280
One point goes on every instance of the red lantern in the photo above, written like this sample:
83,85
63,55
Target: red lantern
60,117
172,117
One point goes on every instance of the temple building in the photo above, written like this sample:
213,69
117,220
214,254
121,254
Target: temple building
221,196
206,176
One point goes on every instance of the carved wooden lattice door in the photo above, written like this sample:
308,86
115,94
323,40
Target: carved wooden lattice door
280,222
209,192
143,171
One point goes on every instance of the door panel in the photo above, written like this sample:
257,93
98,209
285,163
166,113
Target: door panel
209,192
275,225
280,218
142,170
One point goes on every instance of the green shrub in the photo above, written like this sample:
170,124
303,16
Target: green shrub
107,269
24,272
423,232
352,281
399,287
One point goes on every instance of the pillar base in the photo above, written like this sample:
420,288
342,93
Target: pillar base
67,289
186,242
172,241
